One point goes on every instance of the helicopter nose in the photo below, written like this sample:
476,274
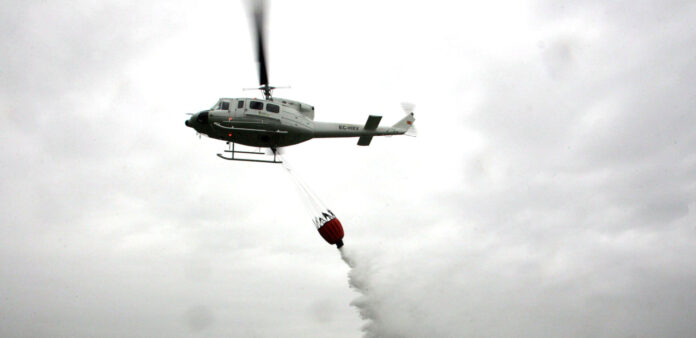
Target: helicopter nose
187,123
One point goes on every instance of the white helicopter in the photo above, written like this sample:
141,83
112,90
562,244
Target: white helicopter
277,122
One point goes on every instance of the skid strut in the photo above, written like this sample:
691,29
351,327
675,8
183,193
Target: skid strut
232,151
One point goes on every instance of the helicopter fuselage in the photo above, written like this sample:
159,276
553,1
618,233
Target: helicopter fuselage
256,122
276,123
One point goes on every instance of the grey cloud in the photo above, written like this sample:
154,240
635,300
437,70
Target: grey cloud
550,191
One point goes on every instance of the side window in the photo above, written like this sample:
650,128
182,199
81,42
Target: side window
256,105
240,104
225,105
273,108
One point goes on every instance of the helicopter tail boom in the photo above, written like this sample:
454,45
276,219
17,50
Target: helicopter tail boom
365,133
370,129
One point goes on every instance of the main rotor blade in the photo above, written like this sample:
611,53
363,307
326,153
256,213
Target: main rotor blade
258,8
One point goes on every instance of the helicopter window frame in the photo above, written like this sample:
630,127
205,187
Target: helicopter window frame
273,108
240,105
256,105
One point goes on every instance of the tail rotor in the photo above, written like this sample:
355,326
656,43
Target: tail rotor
408,107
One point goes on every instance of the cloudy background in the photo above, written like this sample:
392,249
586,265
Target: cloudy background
550,192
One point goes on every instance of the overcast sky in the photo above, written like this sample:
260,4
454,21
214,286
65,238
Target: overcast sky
551,190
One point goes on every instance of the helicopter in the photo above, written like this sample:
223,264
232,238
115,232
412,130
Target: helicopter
277,122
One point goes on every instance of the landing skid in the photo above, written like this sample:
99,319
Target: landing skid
232,152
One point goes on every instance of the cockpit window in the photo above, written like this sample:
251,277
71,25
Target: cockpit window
225,105
240,104
256,105
273,108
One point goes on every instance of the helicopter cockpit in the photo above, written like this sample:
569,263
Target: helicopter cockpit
221,105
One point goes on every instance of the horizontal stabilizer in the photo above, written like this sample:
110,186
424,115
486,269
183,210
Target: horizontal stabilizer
364,140
372,122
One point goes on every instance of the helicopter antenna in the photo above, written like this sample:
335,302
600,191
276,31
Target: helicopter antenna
258,13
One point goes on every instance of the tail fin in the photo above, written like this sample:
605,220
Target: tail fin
406,123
